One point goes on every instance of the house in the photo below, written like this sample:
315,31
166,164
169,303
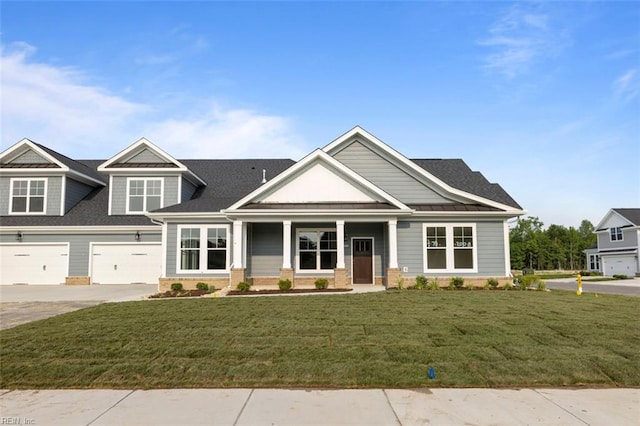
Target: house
618,244
354,212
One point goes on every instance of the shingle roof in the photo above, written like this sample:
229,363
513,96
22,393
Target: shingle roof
632,215
457,174
74,165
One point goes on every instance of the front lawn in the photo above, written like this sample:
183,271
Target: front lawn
390,339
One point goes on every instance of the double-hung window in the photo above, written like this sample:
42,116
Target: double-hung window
144,194
28,196
594,262
616,234
317,250
203,248
450,247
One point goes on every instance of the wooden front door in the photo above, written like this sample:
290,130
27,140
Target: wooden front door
363,260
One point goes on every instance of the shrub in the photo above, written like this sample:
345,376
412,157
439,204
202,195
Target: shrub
620,277
176,287
202,286
492,283
284,285
507,286
421,282
527,281
469,286
433,285
321,283
452,286
243,286
542,286
400,282
458,282
487,287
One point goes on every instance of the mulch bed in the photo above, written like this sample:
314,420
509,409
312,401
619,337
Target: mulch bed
292,291
180,293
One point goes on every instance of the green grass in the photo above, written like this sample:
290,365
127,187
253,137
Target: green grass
476,338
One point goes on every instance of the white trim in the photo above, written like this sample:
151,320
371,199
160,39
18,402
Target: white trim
340,264
63,195
114,229
393,243
203,249
334,146
316,156
286,244
145,195
28,196
373,259
507,250
163,240
621,232
318,251
238,243
450,249
110,209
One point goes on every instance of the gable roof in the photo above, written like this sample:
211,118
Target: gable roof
468,184
632,215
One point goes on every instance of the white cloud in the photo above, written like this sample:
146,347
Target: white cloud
627,86
520,38
57,107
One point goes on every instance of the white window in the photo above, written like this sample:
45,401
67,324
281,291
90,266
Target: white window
203,248
450,247
594,262
144,194
28,196
317,250
616,234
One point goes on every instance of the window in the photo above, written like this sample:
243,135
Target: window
144,194
28,196
594,262
616,234
317,250
450,248
203,248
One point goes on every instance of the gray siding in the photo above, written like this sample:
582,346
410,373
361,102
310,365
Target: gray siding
79,245
629,240
264,249
188,189
119,192
54,194
172,251
385,175
367,230
146,156
490,239
75,192
30,157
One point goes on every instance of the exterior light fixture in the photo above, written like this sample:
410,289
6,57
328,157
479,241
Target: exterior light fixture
137,236
19,236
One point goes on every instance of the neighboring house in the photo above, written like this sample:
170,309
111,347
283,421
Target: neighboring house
355,212
616,252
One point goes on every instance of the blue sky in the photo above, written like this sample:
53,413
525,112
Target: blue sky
543,98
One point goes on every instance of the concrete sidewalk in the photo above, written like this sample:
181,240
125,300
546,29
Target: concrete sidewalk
618,407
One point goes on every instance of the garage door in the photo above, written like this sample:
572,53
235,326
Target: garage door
125,263
33,263
623,265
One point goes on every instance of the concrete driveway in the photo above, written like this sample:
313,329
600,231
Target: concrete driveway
20,304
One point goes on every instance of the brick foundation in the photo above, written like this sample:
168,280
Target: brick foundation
393,275
340,278
77,280
190,283
237,275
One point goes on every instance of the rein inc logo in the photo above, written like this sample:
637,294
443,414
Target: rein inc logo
16,421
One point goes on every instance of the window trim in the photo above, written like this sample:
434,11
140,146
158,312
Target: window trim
318,250
450,249
29,181
594,260
203,249
618,231
144,199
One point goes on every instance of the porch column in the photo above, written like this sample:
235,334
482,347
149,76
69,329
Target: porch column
393,244
340,244
286,244
237,244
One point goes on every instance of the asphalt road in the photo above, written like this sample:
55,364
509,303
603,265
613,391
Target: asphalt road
623,287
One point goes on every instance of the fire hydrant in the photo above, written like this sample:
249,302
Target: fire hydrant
579,281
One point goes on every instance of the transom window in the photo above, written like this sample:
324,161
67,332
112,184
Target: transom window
450,247
143,194
616,234
28,196
317,249
203,248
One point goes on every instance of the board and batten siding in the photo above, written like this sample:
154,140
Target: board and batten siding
79,244
119,192
74,193
53,194
171,253
385,175
490,249
264,249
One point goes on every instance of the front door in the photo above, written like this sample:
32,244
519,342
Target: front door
363,260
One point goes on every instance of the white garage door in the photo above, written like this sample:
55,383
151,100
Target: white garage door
125,263
623,265
34,263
